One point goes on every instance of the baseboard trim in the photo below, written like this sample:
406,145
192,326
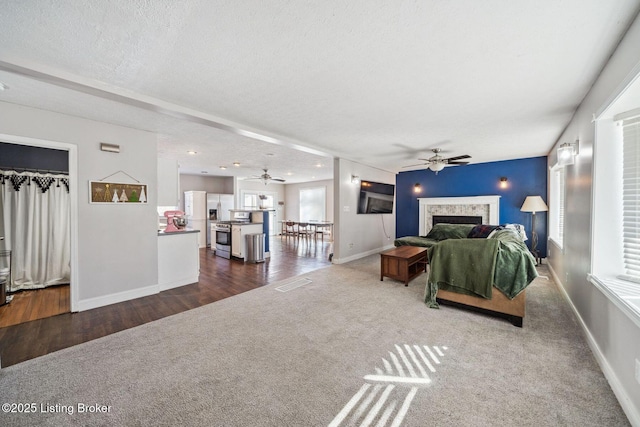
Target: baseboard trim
623,398
361,255
96,302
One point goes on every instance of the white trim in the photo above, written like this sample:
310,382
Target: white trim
73,195
361,255
617,300
556,244
492,201
101,301
623,398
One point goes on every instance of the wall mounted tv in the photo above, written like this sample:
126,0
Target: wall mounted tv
375,198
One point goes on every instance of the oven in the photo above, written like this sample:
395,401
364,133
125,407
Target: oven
223,240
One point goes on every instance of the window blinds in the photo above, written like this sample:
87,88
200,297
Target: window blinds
631,197
561,191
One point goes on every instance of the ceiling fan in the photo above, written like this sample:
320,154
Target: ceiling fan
266,178
436,163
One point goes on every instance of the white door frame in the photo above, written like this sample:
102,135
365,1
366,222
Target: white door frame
73,194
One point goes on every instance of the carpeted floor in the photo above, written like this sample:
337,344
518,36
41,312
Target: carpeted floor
300,358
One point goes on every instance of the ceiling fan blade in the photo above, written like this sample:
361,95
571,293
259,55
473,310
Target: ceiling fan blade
464,156
412,166
457,163
278,179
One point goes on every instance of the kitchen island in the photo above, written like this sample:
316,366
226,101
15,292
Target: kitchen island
178,258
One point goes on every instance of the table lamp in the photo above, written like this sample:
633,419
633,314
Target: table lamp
534,204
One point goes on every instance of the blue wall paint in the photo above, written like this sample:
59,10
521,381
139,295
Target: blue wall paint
526,177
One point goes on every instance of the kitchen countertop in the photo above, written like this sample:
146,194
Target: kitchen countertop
185,231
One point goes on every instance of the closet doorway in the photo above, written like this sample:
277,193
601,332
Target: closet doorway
35,227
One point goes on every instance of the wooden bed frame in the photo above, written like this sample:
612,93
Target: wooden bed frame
498,305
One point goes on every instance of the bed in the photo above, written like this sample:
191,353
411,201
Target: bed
497,267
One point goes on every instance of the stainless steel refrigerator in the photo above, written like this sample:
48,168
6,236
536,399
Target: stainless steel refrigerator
218,206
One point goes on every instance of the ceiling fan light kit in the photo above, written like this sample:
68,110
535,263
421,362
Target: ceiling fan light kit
436,163
266,178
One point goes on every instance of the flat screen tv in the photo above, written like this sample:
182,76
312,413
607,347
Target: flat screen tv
375,198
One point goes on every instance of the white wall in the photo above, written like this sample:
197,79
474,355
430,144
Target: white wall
210,184
292,196
117,244
359,235
613,336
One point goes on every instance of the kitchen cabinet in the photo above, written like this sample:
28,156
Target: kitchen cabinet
168,183
238,233
178,259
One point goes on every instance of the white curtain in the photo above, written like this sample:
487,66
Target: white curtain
35,222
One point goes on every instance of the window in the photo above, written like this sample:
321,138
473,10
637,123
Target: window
313,204
631,198
615,262
254,200
556,221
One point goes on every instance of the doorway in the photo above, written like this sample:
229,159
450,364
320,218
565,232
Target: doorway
49,167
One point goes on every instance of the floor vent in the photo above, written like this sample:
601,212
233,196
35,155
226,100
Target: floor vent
293,284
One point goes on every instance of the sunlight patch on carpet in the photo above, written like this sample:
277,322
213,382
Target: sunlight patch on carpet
293,284
386,396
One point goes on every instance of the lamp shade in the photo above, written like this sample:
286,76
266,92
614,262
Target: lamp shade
534,204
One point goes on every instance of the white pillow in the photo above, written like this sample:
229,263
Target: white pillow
519,228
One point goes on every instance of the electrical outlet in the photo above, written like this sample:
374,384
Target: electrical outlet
638,371
350,245
346,209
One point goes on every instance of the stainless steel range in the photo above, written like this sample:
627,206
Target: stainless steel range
223,239
223,233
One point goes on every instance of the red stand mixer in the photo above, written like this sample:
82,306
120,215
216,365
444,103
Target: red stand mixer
176,221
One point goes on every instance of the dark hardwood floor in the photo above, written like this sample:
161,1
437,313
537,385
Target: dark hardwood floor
219,278
35,304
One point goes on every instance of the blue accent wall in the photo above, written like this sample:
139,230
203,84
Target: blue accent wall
526,177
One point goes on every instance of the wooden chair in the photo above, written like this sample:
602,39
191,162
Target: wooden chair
304,230
290,229
321,229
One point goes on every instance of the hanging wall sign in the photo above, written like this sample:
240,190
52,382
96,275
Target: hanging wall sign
116,192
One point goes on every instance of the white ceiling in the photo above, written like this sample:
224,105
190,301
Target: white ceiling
376,82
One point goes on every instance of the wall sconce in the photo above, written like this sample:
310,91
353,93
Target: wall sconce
111,148
567,153
355,179
503,182
417,188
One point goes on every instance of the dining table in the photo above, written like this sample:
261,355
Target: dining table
316,226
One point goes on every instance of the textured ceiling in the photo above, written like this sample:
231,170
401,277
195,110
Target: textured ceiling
377,82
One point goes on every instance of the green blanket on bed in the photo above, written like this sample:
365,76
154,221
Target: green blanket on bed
473,266
414,241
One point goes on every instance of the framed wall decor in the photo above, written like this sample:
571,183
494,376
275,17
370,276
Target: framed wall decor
117,192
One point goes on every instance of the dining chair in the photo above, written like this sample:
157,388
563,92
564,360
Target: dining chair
304,230
290,229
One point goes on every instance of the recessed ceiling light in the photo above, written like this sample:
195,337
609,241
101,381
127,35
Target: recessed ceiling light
269,154
3,86
236,164
318,165
289,173
223,167
192,152
204,172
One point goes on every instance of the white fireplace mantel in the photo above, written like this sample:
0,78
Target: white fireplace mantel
492,201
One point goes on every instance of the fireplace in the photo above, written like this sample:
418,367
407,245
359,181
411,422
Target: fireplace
456,219
485,207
